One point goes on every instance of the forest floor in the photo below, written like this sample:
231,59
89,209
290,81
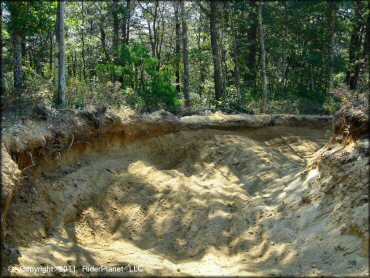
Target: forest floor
207,201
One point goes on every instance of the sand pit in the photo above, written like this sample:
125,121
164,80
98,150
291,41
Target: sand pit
204,202
201,195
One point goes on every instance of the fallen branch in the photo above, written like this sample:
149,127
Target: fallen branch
73,138
33,163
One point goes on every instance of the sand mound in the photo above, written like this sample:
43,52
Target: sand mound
188,203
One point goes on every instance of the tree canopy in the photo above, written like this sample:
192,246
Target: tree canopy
245,56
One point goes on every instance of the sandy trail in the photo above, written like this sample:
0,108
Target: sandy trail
206,202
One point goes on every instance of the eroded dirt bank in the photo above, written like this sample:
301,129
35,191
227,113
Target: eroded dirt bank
257,200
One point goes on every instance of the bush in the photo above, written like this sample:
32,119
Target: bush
143,86
161,93
310,106
80,94
133,99
36,91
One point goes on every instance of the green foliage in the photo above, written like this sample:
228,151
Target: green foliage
37,90
80,94
297,36
141,82
310,106
161,93
30,17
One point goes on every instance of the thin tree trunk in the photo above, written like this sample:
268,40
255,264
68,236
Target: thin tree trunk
18,70
124,26
160,44
252,48
83,39
115,30
283,64
151,39
60,61
263,58
2,74
177,49
365,50
75,65
353,53
103,41
215,52
332,45
185,52
236,56
42,66
201,62
51,54
223,50
236,67
128,20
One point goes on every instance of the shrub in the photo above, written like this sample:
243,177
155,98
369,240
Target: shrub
161,93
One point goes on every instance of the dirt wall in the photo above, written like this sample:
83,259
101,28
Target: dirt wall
62,137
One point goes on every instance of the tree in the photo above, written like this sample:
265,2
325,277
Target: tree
252,46
2,71
115,30
332,44
283,64
126,20
235,51
233,58
185,52
60,71
263,58
216,56
83,39
17,15
177,47
354,50
365,52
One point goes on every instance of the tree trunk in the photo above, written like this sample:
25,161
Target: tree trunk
236,64
83,39
2,74
215,52
42,66
103,41
177,49
51,54
125,27
222,46
74,59
201,62
353,53
236,68
263,58
365,50
283,64
160,43
367,33
60,61
332,45
115,30
18,70
128,20
185,52
252,47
